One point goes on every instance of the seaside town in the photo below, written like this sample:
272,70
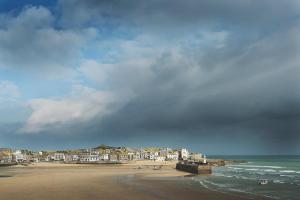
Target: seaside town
100,154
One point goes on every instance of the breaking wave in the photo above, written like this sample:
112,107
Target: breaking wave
259,166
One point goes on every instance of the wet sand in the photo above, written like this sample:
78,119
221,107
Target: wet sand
80,182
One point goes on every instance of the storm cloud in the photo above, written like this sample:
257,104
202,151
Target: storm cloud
217,72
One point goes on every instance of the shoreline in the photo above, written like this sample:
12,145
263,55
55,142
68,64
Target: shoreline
61,181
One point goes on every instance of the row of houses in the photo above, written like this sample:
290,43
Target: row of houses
114,156
99,154
5,156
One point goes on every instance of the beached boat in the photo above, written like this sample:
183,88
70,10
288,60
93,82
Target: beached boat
157,167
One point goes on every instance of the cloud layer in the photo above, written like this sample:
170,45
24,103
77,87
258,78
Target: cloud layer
177,70
29,41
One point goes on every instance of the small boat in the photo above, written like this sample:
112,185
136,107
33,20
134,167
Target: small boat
263,182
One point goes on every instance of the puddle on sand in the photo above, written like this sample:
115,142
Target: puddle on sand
5,176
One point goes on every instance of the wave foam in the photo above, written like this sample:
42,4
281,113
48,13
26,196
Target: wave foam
278,181
252,169
287,171
292,176
236,168
259,166
269,170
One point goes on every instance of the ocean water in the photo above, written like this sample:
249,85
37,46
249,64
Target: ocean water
282,173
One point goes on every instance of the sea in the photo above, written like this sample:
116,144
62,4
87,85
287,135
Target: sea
281,172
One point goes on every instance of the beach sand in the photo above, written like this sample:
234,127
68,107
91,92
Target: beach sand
46,181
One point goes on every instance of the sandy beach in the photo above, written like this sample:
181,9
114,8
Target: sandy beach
45,181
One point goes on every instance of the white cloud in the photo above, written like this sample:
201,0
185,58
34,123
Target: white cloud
81,105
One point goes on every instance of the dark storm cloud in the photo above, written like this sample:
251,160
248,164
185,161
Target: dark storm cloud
240,85
247,87
229,102
179,14
256,95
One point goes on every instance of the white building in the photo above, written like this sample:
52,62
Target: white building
137,156
172,156
104,157
75,157
160,158
19,156
59,157
183,154
131,155
149,156
204,159
89,158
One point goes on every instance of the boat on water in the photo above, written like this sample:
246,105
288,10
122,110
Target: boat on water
263,182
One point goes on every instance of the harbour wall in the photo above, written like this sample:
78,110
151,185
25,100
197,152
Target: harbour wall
194,168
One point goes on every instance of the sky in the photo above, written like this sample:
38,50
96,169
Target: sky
219,77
